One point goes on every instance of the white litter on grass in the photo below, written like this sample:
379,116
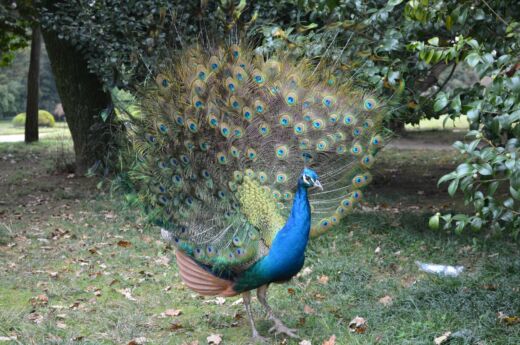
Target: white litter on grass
441,270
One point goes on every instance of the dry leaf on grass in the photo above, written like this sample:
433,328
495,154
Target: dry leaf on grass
175,326
40,300
138,341
127,293
35,317
305,272
331,341
218,301
308,310
214,339
358,325
304,342
442,339
124,244
323,279
319,296
508,320
194,342
386,300
172,312
61,325
238,301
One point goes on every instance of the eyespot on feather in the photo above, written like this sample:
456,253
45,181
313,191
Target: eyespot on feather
214,63
247,114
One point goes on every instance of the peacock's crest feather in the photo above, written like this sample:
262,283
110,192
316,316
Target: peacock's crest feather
223,139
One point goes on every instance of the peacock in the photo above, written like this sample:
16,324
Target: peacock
240,159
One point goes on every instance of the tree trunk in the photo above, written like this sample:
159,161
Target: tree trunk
83,99
396,126
33,83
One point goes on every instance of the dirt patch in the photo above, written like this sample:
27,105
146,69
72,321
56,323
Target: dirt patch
30,188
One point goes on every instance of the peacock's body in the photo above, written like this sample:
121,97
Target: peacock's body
229,150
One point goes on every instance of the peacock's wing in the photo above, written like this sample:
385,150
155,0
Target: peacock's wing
223,139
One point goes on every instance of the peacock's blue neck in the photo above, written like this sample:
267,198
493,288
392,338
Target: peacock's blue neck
287,252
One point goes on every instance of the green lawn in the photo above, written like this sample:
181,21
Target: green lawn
104,277
60,129
461,123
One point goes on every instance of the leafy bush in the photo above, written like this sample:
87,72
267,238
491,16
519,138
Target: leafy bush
490,175
45,119
490,181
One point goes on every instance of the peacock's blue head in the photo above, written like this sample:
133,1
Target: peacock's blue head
309,179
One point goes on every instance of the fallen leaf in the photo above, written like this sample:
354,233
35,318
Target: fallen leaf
386,300
490,287
358,325
304,342
162,260
40,300
124,244
305,272
194,342
173,312
35,317
319,296
61,325
175,326
291,291
214,339
508,320
74,306
138,341
308,310
331,341
127,293
323,279
238,301
442,339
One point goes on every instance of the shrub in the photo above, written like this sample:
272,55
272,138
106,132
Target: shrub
45,119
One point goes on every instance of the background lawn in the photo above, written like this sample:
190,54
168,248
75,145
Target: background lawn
59,130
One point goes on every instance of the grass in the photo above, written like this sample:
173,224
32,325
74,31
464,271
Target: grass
443,122
60,129
81,248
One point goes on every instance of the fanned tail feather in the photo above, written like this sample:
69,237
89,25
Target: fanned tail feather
223,137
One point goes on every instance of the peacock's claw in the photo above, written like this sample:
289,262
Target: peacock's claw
258,339
280,328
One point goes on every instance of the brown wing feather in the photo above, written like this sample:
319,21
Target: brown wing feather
200,280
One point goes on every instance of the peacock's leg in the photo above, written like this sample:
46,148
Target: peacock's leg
247,302
278,327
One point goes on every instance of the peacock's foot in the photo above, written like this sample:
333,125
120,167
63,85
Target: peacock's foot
258,339
280,328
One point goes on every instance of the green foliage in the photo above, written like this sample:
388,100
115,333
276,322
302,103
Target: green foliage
45,119
124,45
15,22
489,178
490,181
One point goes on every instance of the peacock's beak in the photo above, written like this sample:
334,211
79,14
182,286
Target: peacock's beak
317,184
